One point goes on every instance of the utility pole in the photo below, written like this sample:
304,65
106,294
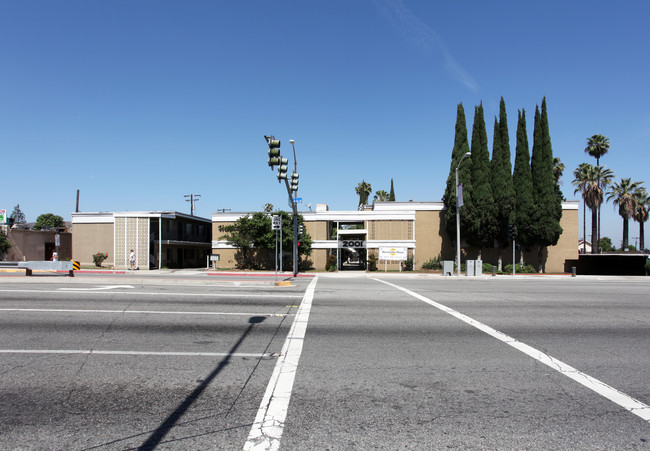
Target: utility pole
192,199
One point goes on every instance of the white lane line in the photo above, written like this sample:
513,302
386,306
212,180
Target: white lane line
105,287
627,402
139,312
146,293
145,353
266,432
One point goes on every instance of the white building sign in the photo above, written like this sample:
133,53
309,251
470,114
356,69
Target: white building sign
393,253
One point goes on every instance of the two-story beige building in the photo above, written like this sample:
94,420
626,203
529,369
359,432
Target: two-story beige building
395,230
159,239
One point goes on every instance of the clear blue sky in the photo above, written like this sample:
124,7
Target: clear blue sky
137,103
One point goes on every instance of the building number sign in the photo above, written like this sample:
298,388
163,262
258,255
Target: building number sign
352,243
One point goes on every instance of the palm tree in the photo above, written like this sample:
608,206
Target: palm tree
592,181
381,196
642,201
622,195
580,182
597,146
363,189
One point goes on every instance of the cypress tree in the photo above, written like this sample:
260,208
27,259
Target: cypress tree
502,187
523,183
546,228
461,147
481,216
391,196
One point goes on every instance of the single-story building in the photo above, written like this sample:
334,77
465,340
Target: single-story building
37,245
160,239
413,229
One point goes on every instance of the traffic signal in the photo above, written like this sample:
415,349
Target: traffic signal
301,229
282,168
294,181
274,151
511,232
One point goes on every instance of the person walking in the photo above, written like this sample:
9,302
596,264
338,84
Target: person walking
132,260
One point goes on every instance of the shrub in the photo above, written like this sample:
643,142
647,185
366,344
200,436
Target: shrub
519,269
372,262
330,264
407,265
433,263
99,258
647,267
487,268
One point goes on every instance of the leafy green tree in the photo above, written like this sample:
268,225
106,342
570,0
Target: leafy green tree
606,244
481,217
381,196
391,197
523,184
642,202
546,229
502,188
48,220
18,216
253,233
558,170
461,147
622,194
4,244
363,189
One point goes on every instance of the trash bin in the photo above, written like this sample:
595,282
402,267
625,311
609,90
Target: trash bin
447,267
478,268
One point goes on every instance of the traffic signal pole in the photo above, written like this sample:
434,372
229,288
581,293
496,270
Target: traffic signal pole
275,159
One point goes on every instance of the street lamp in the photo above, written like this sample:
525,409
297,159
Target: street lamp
468,154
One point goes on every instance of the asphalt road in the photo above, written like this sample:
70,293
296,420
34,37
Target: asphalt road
186,363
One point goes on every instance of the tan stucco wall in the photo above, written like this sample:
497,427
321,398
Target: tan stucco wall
318,258
37,245
567,245
317,230
226,258
88,239
428,242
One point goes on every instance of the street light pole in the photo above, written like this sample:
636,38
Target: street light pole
468,154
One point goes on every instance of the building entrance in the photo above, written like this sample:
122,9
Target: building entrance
353,259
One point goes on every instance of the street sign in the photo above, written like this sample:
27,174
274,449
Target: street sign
57,240
277,222
297,200
3,216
